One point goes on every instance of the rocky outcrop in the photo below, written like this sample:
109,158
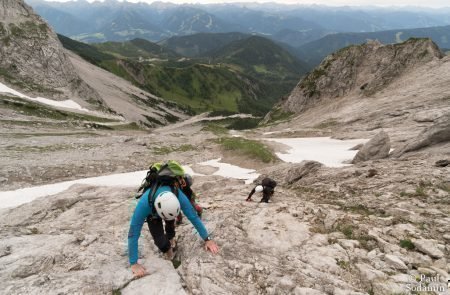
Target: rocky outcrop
442,163
428,247
32,58
395,262
376,148
298,171
437,133
359,69
289,173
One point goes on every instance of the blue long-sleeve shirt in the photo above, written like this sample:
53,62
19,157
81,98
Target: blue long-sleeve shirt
144,209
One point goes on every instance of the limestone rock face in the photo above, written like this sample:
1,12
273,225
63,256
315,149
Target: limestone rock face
360,69
33,60
376,148
333,226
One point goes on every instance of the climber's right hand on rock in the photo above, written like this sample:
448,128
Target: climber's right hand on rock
138,270
212,247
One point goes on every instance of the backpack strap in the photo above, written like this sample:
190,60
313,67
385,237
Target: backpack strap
151,197
147,182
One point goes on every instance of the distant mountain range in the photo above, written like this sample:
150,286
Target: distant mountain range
315,51
137,49
246,74
199,44
310,54
233,57
259,56
295,25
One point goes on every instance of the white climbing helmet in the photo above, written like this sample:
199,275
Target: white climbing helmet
259,189
167,205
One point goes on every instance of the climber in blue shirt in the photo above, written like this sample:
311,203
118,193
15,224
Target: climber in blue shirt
165,206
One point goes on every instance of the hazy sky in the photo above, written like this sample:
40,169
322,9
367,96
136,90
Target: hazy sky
427,3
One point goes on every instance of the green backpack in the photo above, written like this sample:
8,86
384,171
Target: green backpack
170,173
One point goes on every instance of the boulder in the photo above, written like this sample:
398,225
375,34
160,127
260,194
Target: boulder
371,173
376,148
5,250
420,260
330,220
368,273
395,262
437,133
298,171
428,116
442,163
349,244
428,247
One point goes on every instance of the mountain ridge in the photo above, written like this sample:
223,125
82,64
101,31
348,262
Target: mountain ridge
293,24
359,69
137,48
315,51
197,45
255,51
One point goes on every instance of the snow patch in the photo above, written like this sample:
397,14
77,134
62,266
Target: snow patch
68,104
328,151
231,171
25,195
188,170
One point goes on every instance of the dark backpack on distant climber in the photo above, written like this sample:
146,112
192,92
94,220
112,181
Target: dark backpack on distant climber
269,182
268,186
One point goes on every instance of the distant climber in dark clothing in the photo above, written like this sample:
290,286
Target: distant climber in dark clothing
267,187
